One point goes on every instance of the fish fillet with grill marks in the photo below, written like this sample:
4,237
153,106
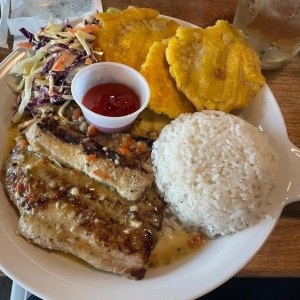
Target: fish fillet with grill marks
121,160
63,209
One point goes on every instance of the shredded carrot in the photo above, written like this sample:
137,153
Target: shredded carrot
76,114
88,28
64,61
51,86
88,61
25,45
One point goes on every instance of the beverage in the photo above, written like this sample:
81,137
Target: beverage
61,9
272,27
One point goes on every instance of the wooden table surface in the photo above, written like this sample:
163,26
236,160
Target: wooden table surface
280,256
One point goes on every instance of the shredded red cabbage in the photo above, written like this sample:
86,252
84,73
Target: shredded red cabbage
61,79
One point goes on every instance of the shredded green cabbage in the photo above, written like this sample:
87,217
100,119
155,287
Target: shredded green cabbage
26,95
38,82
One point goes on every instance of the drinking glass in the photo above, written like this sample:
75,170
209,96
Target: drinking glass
60,9
272,27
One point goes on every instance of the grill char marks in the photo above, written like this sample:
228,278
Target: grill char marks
90,146
61,208
63,133
121,160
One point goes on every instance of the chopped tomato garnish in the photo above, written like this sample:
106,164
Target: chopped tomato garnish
124,151
20,187
91,157
100,174
23,144
92,131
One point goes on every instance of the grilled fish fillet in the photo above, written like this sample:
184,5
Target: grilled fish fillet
119,160
63,209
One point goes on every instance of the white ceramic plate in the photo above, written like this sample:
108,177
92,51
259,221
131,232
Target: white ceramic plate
52,275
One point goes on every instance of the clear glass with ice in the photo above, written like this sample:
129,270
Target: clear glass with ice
272,27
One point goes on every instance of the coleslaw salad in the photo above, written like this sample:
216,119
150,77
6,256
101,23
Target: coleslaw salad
54,55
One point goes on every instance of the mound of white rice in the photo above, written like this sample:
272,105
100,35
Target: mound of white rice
215,170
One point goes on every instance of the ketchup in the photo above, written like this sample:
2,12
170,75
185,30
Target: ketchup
111,99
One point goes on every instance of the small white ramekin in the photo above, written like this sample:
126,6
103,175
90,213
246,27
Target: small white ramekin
109,72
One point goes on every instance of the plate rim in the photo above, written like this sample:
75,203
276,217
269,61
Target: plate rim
188,294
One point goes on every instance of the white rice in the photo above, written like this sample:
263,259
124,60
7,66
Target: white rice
215,170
